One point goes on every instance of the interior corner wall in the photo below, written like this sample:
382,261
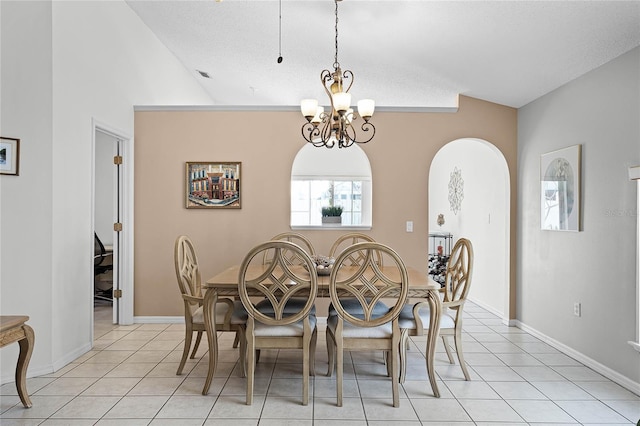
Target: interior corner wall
64,64
596,266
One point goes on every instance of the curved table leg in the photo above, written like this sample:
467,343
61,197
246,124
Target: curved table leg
208,307
26,349
435,308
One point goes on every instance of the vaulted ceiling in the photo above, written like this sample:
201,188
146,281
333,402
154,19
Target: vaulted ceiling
410,54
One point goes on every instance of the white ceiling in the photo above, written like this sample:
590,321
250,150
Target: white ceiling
409,54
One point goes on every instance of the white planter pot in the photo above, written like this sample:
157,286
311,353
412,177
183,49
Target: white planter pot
331,220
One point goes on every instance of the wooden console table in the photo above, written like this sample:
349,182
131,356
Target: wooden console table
14,329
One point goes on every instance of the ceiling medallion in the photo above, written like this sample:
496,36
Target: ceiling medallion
456,190
327,129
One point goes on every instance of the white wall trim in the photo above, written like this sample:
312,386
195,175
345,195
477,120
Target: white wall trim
607,372
283,108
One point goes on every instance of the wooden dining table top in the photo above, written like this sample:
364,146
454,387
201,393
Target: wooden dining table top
226,282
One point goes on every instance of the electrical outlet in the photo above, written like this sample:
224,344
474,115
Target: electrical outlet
409,226
577,309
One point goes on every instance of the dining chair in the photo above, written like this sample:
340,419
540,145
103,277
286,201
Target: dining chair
415,318
349,239
369,329
275,322
296,238
229,315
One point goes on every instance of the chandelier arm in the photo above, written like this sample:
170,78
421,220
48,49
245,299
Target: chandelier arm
366,127
351,136
327,124
310,130
348,75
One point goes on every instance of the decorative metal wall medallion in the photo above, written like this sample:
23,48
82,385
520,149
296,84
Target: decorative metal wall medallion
456,190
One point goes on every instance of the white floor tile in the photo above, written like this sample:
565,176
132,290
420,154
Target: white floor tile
591,412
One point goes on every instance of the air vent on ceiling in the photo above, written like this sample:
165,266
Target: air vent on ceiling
204,74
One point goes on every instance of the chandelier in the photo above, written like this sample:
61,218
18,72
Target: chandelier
327,129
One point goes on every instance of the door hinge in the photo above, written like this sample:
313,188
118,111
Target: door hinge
117,227
117,294
117,160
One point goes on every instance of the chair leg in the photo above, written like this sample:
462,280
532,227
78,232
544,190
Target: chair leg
251,366
339,369
306,346
195,347
331,353
447,348
404,344
387,362
395,373
458,342
236,341
242,340
312,354
185,351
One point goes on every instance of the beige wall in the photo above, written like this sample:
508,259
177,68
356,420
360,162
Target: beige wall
266,144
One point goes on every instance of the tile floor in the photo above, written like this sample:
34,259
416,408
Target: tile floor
129,379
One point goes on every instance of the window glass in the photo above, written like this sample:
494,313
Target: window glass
324,177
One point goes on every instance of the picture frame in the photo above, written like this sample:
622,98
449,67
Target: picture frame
9,156
560,189
213,184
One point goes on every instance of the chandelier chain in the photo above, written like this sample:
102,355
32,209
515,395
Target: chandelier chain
336,64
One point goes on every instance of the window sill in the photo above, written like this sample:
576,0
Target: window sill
331,227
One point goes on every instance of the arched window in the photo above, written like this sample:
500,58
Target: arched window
323,177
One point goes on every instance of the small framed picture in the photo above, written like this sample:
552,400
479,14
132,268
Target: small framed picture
560,188
213,185
9,156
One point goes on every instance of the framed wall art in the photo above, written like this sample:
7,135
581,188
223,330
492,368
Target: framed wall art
213,185
9,156
560,188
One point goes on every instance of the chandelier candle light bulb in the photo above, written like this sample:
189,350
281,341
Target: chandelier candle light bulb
366,108
309,108
341,102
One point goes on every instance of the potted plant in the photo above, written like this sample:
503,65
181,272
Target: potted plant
332,215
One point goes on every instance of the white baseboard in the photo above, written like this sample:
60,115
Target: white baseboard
158,320
494,311
41,370
607,372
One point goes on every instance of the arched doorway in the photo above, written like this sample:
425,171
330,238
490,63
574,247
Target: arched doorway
483,214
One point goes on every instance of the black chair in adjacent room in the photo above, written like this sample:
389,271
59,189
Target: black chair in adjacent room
102,264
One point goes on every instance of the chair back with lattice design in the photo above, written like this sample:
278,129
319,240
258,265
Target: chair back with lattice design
187,270
291,257
368,282
279,282
350,239
459,270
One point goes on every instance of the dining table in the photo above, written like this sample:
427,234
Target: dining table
421,286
